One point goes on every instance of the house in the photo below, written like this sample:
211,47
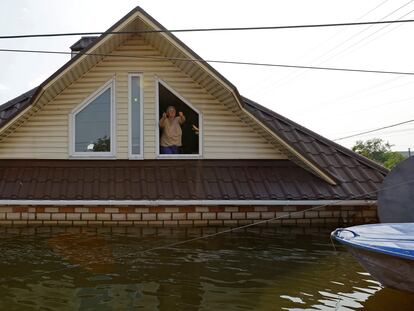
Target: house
83,148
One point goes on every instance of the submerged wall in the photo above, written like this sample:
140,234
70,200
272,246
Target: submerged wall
196,216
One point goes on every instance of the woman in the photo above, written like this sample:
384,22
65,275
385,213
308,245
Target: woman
171,134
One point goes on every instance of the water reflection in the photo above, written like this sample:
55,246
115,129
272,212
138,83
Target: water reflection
258,269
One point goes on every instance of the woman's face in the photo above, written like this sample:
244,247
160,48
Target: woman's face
171,113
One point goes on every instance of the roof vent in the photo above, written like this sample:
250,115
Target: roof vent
81,44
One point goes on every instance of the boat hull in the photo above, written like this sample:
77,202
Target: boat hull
390,271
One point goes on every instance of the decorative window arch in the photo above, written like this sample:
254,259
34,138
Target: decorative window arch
92,124
192,129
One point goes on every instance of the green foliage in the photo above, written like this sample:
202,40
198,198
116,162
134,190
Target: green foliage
102,144
379,151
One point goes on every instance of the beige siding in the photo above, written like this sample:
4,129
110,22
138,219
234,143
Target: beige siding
45,134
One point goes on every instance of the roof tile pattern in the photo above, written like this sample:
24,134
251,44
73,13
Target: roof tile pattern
15,106
170,180
350,169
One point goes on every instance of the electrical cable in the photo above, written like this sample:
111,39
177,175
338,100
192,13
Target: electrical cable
374,130
204,29
195,60
365,38
290,78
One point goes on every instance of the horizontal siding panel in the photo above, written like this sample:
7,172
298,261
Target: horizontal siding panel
225,135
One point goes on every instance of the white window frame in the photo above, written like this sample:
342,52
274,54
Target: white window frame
90,155
157,127
141,120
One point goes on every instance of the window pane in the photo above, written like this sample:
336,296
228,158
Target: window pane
135,115
93,125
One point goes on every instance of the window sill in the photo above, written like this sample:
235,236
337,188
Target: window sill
179,156
92,157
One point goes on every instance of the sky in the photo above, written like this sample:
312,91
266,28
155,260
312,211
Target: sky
333,104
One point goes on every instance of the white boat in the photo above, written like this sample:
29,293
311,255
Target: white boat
385,250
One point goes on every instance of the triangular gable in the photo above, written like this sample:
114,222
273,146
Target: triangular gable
20,109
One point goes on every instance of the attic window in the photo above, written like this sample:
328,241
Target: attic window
92,124
179,126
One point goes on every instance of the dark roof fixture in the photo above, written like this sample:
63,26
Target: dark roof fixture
81,44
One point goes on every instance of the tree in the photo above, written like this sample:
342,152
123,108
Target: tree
102,144
379,151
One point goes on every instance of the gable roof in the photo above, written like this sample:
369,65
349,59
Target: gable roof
320,155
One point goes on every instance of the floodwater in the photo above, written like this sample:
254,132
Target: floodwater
254,269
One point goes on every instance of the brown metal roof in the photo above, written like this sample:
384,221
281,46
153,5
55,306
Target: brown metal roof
343,164
13,107
173,180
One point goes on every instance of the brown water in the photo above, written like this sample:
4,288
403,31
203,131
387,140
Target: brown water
257,269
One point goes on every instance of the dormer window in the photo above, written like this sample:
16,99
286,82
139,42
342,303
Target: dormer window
92,124
179,131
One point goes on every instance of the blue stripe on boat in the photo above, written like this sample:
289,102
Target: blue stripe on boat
391,239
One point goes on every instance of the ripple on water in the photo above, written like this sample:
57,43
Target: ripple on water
258,269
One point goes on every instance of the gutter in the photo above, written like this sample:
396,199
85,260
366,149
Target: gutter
190,202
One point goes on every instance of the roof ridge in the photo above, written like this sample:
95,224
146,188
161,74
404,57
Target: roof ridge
317,136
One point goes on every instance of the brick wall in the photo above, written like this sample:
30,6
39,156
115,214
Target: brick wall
184,215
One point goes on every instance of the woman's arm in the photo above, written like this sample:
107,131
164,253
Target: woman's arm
181,117
162,120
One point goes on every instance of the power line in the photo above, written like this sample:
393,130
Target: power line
206,29
320,57
370,35
361,32
215,61
375,130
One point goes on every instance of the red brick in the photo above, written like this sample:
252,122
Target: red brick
96,209
20,209
187,209
126,209
216,209
156,209
246,209
66,209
